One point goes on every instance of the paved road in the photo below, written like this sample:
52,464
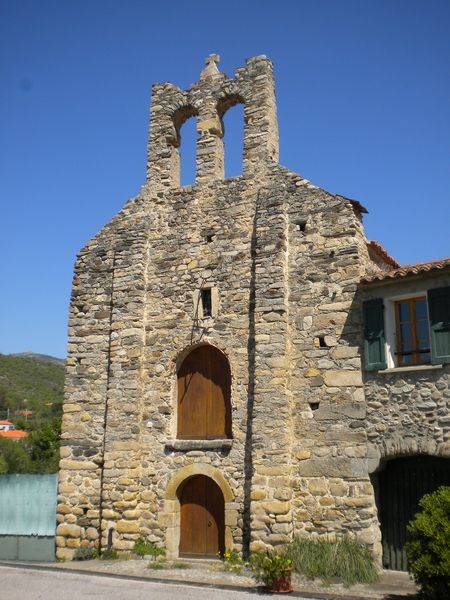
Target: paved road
19,584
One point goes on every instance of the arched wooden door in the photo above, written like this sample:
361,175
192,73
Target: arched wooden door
202,518
204,384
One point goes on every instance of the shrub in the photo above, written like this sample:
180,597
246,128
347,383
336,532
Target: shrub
14,457
428,549
343,558
85,553
143,548
109,554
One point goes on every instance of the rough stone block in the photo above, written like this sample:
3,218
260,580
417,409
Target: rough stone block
333,467
258,494
342,378
276,507
77,465
123,526
68,530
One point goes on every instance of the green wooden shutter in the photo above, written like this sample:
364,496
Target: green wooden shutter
374,340
439,311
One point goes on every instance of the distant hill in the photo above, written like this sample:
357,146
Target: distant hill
31,381
42,357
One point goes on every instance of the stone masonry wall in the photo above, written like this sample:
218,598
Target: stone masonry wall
332,492
408,413
283,259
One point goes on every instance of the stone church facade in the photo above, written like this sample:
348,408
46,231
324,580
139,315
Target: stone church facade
229,381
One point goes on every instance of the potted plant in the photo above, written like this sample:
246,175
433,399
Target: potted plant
274,570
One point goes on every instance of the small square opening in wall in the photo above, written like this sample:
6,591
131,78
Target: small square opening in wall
206,300
300,226
209,237
314,405
322,342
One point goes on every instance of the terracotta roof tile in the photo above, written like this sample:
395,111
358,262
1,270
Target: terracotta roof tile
14,433
412,269
382,253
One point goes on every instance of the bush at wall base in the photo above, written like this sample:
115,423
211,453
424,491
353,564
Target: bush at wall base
428,549
273,570
143,548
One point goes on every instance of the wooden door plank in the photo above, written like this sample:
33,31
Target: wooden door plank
215,508
193,388
193,517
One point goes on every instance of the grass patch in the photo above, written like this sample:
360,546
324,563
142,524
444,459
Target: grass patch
156,565
143,548
109,554
344,559
180,565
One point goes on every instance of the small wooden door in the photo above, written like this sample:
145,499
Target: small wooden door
204,384
202,518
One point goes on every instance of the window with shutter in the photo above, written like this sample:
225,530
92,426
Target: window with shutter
374,339
407,331
439,309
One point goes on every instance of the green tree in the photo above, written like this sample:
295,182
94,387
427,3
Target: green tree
3,465
428,550
14,456
43,447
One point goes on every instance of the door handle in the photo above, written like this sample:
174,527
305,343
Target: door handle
209,523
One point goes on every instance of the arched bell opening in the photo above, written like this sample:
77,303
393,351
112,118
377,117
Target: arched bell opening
231,113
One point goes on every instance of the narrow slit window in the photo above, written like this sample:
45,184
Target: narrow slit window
322,342
205,295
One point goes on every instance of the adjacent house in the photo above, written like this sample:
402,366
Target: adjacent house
6,425
8,430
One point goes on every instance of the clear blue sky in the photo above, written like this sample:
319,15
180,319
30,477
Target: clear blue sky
363,91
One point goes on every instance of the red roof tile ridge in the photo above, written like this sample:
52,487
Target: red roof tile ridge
383,253
431,263
408,269
18,433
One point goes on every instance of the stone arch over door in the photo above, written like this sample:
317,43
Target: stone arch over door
170,517
399,485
